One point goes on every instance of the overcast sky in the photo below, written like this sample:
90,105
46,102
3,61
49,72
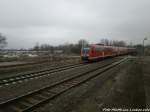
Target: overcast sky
27,22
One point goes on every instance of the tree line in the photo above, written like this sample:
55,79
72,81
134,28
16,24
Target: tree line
75,48
3,41
66,48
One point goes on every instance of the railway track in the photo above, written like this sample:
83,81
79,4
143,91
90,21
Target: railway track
31,100
14,69
20,65
14,79
28,64
37,74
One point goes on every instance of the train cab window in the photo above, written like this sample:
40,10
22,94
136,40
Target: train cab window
85,50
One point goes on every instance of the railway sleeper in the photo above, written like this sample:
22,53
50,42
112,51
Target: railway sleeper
59,89
39,97
47,94
17,107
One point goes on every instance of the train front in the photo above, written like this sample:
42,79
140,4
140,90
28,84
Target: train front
85,53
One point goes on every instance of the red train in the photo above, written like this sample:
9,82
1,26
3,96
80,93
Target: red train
97,51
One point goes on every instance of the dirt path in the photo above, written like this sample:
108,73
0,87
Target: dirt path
146,74
128,92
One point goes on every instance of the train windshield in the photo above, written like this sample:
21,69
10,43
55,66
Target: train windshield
85,50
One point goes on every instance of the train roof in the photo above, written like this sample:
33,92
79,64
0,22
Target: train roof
106,46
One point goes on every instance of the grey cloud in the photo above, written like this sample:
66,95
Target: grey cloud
59,21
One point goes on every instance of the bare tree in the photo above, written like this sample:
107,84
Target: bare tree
82,43
36,47
113,42
119,43
106,42
3,41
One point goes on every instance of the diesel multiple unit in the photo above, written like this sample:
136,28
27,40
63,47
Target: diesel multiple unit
97,51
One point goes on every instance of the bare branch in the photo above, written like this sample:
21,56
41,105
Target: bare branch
3,41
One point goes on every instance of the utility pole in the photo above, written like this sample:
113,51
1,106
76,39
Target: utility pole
143,46
82,44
